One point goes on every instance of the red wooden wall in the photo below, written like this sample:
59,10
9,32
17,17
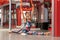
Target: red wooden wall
57,18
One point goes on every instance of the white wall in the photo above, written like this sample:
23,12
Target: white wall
0,16
33,0
0,13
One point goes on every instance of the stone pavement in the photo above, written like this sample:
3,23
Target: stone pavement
5,35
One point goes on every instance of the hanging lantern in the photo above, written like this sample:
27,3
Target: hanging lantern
25,0
1,2
46,0
6,1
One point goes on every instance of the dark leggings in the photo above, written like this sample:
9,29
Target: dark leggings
45,26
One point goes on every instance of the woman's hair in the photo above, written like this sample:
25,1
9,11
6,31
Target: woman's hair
46,5
27,13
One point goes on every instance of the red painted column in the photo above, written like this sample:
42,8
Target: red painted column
18,16
57,18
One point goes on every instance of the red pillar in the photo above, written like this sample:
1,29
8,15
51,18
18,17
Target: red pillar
57,18
18,16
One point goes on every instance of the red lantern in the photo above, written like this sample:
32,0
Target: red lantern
45,0
1,1
6,1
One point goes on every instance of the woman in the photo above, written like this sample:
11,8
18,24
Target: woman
27,22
